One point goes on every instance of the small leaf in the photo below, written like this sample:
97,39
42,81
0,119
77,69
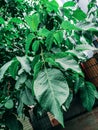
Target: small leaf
27,97
9,104
52,6
79,14
33,21
20,81
4,68
69,4
68,101
43,32
16,20
49,40
28,41
37,68
51,61
58,37
1,20
35,45
24,63
68,26
14,68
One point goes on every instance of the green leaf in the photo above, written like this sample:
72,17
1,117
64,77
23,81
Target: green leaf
9,104
37,68
84,47
1,20
87,95
58,37
79,83
43,32
20,81
69,63
27,97
28,41
33,21
51,61
52,6
14,68
16,20
68,26
4,68
29,83
87,26
69,4
24,63
79,14
35,45
51,91
68,101
49,40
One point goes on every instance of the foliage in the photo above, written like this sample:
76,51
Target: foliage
42,46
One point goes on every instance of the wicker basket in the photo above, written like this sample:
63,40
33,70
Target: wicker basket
90,68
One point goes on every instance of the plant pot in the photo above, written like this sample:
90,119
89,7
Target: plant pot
90,68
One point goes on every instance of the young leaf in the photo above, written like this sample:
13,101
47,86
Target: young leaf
28,41
37,68
51,91
69,4
35,46
1,20
4,68
20,81
24,63
58,37
33,21
79,14
43,32
52,6
9,104
27,97
68,26
49,40
14,68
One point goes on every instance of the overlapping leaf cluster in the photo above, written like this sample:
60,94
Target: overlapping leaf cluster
44,49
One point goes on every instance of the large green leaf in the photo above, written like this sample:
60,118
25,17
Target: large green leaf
4,68
69,63
35,45
33,21
87,94
24,63
51,91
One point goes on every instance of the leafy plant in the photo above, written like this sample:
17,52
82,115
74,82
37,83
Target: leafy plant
42,47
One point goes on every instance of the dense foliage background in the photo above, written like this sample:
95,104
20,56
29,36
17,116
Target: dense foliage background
41,47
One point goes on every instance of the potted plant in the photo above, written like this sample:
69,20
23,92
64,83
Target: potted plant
45,47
